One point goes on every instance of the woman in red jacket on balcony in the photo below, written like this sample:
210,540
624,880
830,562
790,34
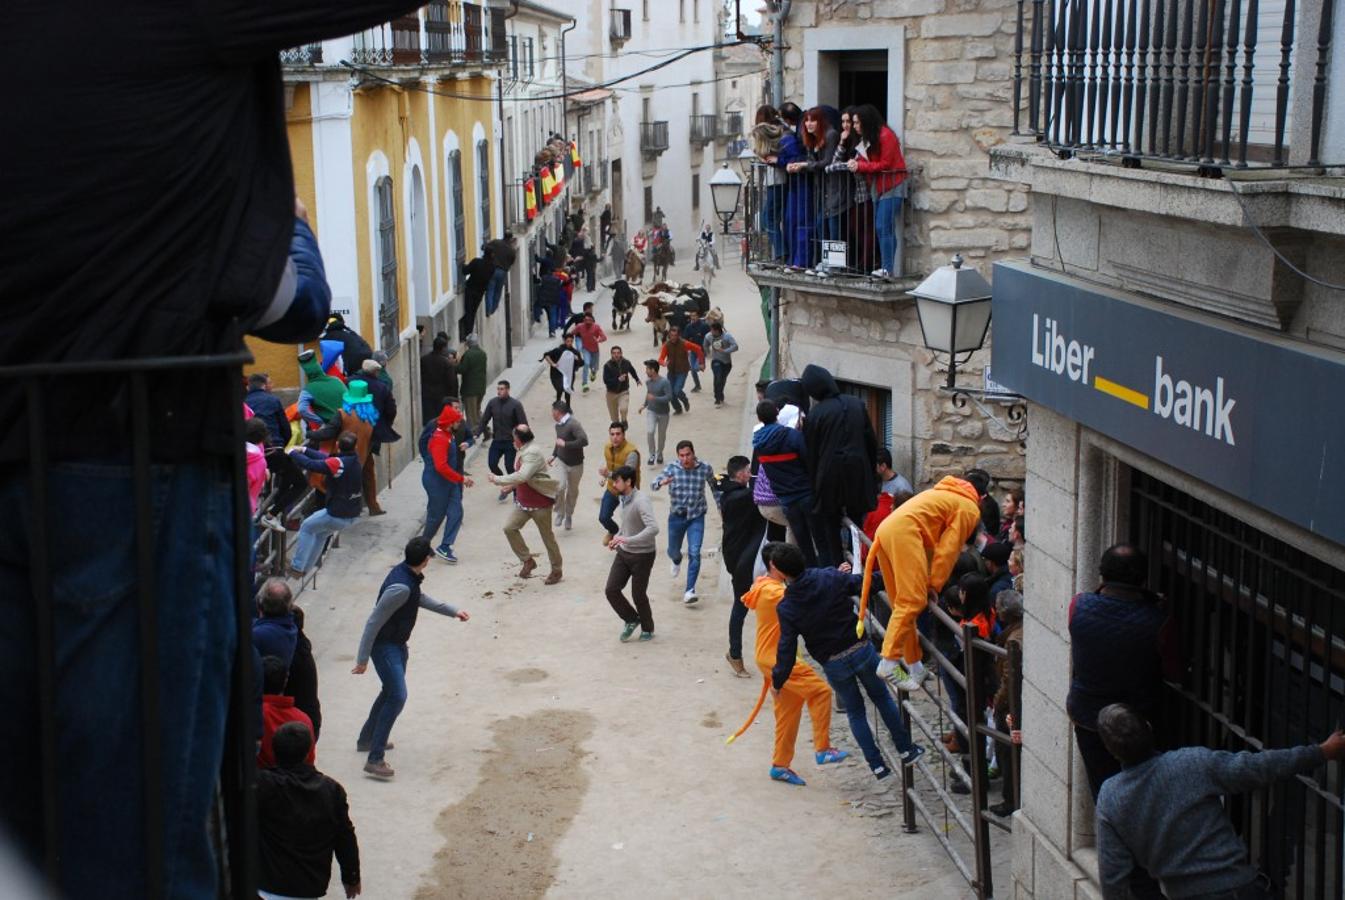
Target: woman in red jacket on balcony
881,162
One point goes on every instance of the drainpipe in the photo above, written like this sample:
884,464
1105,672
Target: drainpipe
504,198
778,53
564,82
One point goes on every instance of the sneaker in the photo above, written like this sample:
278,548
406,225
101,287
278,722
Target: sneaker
881,772
690,597
660,459
1004,809
903,679
446,555
272,523
959,787
504,495
379,770
880,273
569,523
788,776
646,635
830,755
364,748
675,569
696,389
628,631
686,402
652,463
912,754
585,389
736,665
676,411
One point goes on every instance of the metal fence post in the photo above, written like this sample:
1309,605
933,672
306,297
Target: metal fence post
975,712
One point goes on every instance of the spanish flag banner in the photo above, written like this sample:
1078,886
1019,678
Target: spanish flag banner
530,199
574,155
548,185
559,172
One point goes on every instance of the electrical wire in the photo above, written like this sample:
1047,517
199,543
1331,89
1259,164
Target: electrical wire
1256,230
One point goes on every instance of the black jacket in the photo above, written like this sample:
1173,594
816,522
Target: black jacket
386,404
842,448
743,530
303,682
355,349
148,211
818,607
479,272
267,407
438,379
303,818
612,372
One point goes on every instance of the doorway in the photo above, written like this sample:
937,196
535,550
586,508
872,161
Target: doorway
618,216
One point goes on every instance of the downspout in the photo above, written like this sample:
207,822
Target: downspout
564,82
777,97
504,197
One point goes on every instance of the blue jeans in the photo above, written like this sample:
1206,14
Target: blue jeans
590,367
501,447
886,213
445,505
389,661
772,214
610,502
493,290
313,535
555,318
678,384
846,675
693,529
829,228
99,732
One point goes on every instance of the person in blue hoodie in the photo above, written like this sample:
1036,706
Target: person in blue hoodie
274,632
819,607
783,453
345,498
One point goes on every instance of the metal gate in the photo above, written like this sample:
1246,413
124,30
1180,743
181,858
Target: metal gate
929,789
1263,633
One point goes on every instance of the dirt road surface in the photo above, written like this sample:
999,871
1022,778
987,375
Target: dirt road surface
538,756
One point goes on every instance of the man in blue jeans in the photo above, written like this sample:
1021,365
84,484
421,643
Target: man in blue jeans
443,480
384,641
819,607
345,498
688,477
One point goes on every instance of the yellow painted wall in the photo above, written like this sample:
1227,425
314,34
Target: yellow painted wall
279,360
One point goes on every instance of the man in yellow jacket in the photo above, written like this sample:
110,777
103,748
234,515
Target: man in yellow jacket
916,548
803,687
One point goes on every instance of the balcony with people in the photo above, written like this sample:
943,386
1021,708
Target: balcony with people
824,202
440,33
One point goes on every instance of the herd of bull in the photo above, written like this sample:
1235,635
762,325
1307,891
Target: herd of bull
666,305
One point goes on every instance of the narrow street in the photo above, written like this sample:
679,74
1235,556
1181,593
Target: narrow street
538,756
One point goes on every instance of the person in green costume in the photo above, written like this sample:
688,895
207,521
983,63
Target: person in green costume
321,397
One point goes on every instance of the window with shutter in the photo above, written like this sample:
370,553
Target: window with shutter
459,218
389,311
483,191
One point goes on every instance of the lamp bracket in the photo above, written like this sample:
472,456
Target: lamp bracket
1014,423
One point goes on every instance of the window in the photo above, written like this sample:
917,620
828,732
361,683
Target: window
877,404
459,217
483,190
529,60
389,309
648,203
695,193
513,56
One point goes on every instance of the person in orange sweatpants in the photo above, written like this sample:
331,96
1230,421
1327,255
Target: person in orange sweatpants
916,547
803,687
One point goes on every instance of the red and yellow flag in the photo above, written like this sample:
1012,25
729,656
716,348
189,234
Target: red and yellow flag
574,154
548,186
530,199
558,171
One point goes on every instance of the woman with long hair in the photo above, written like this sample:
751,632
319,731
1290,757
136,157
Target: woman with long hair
821,136
766,135
857,225
882,164
798,219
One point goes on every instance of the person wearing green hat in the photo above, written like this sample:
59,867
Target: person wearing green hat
320,398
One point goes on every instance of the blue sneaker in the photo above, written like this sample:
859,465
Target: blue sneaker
646,635
628,631
830,755
446,555
912,755
788,776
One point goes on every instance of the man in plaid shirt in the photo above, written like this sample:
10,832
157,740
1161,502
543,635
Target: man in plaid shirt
688,478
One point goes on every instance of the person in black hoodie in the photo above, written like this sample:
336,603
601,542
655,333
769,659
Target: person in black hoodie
303,819
744,529
783,456
355,349
842,459
303,681
819,607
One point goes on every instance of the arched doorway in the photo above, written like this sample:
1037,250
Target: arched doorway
420,246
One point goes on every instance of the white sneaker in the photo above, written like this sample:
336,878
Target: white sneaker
690,597
675,569
880,273
908,678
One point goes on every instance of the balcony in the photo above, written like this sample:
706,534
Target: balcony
1207,98
442,38
306,55
395,43
703,129
653,138
620,26
731,128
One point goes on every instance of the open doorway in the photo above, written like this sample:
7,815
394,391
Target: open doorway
861,77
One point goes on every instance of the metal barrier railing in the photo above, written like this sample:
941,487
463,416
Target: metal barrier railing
968,723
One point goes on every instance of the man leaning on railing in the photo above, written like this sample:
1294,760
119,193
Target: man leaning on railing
150,217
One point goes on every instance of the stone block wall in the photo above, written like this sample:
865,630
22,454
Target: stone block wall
879,343
959,103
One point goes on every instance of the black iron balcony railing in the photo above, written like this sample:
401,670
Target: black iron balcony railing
395,43
620,27
1206,82
731,127
824,222
703,128
653,137
305,55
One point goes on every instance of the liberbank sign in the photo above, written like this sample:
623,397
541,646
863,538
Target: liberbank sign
1254,416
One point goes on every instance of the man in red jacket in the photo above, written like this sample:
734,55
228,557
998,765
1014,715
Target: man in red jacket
444,481
277,709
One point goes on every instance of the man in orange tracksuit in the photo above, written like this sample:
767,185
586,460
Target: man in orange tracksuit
916,547
803,686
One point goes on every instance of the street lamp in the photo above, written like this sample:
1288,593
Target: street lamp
954,309
746,159
725,189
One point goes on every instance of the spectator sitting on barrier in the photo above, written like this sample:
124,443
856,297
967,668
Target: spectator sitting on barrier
345,498
303,819
1164,812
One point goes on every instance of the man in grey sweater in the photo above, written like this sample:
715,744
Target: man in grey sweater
384,641
501,416
570,443
1163,811
636,548
656,406
721,347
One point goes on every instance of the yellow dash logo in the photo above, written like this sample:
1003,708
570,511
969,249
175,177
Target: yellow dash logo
1121,392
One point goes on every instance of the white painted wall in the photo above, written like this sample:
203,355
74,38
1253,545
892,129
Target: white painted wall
333,174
